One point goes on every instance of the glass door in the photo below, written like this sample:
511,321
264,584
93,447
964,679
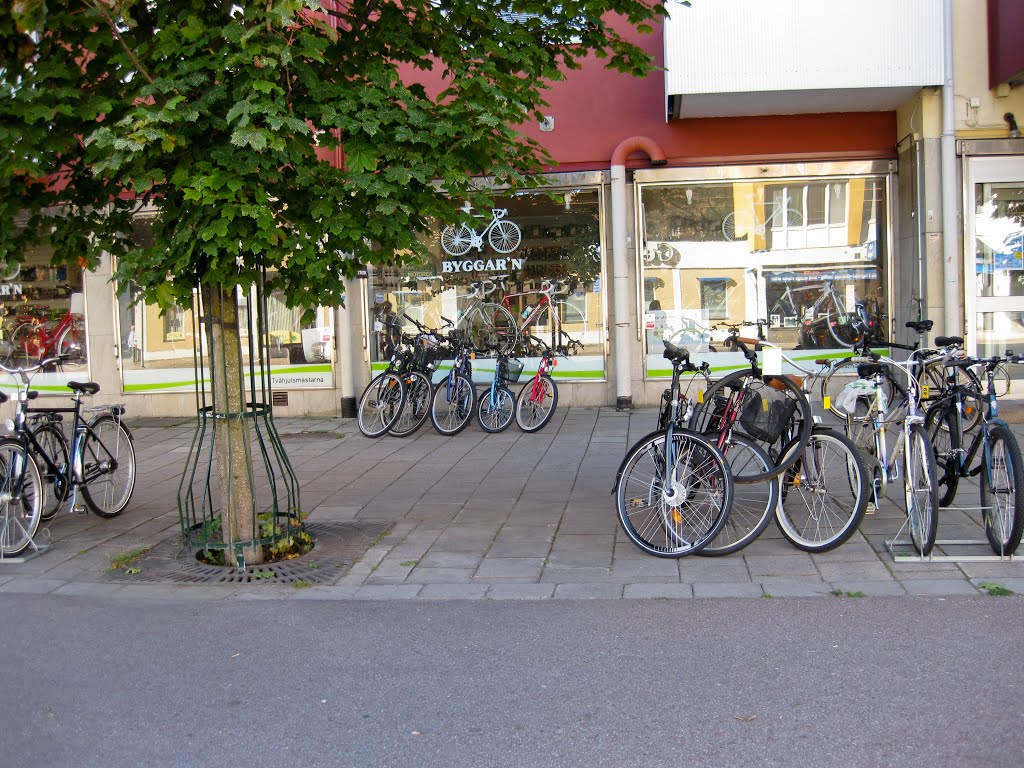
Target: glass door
994,255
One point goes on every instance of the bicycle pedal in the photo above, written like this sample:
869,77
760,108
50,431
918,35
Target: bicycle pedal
79,509
870,509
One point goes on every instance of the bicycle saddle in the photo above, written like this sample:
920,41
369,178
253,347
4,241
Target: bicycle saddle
84,387
865,370
921,326
948,341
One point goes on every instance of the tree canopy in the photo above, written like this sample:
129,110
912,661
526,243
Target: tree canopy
294,135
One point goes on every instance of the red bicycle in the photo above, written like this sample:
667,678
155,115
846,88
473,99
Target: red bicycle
37,339
536,402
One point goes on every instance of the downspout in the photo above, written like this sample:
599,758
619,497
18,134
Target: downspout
952,293
622,340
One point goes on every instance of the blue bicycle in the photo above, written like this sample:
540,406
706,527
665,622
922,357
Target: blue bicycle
455,398
497,406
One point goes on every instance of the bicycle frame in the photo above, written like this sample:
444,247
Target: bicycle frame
990,418
47,339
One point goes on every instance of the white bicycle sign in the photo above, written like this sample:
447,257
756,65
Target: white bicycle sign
503,235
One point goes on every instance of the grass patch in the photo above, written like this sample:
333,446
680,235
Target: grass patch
840,593
409,563
301,584
127,559
996,590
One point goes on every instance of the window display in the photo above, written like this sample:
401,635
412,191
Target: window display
526,278
800,262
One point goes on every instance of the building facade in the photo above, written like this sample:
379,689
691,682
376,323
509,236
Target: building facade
787,163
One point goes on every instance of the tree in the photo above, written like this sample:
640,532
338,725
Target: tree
288,135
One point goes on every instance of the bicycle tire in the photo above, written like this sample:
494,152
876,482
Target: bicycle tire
933,377
819,511
456,240
25,341
729,227
940,423
70,346
453,405
836,380
491,326
534,411
785,449
416,408
921,490
108,466
55,446
1004,523
753,504
495,413
380,404
1001,380
844,332
653,522
21,497
505,236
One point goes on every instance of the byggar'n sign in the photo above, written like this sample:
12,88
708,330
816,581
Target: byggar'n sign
482,265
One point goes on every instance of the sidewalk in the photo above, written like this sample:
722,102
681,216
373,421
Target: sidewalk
477,516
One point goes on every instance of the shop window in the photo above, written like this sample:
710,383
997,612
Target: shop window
794,259
535,255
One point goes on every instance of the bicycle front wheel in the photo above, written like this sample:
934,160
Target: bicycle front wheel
108,466
453,404
380,404
505,236
491,326
753,504
55,447
825,494
21,497
536,403
673,503
921,490
418,397
496,409
71,346
1002,509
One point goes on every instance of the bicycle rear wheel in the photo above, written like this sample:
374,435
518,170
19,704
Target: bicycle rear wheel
491,326
70,346
753,504
380,404
108,466
1002,507
536,403
921,490
825,494
673,508
418,397
453,405
53,443
21,497
940,423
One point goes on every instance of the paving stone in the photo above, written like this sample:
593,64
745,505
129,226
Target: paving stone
422,575
780,565
588,591
939,587
520,591
859,570
453,591
576,558
31,585
648,590
387,592
517,568
720,589
441,559
795,588
870,588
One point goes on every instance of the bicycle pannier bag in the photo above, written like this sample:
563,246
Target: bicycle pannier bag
766,424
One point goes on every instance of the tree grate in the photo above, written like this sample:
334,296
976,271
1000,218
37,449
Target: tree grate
338,547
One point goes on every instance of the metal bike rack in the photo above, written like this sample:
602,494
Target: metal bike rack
902,550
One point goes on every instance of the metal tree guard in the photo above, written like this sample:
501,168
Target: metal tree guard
268,484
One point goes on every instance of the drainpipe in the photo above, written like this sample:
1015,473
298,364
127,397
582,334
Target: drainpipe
622,340
952,293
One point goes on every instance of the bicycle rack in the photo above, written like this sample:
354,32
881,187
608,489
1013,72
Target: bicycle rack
34,550
902,550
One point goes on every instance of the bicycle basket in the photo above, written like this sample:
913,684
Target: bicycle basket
766,422
513,370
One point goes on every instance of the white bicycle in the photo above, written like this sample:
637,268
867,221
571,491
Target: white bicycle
503,235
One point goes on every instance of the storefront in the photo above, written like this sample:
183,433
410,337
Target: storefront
799,254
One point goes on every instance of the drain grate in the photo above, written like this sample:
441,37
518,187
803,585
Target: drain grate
338,547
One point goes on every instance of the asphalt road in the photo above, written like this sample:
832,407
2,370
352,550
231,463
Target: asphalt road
761,682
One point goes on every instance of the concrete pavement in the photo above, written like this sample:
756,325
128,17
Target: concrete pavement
506,516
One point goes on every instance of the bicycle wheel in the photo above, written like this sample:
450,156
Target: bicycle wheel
835,381
536,403
940,423
753,504
825,494
1002,509
416,408
108,466
452,405
456,240
672,509
25,340
53,443
492,326
380,404
844,328
21,497
920,489
935,386
71,346
505,236
729,227
771,410
496,409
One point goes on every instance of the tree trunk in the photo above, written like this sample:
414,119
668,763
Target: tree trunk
237,501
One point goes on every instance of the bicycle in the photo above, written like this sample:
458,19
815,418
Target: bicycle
22,495
673,490
999,466
66,341
496,406
503,235
100,460
532,313
487,324
537,400
913,458
839,326
781,216
382,400
416,367
454,400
